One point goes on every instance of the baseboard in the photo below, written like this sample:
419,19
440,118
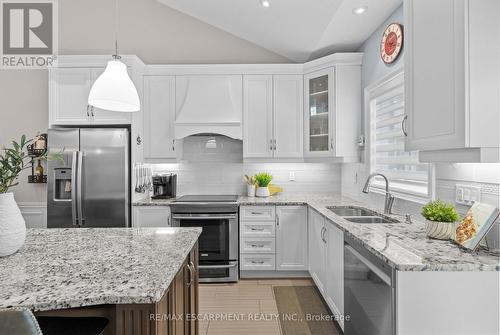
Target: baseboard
274,274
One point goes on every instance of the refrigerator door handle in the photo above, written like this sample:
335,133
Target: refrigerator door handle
74,216
79,188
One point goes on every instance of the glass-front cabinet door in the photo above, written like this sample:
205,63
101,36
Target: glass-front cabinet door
318,139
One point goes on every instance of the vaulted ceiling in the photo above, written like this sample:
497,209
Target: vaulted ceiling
300,30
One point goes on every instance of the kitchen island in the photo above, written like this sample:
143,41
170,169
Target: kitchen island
131,276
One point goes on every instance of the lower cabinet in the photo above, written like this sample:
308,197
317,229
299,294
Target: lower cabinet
185,297
273,238
326,261
151,216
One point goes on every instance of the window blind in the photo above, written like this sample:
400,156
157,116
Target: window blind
402,168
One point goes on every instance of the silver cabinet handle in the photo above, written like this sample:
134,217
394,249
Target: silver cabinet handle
168,221
92,110
193,268
88,107
274,141
256,229
271,144
257,213
257,262
173,145
258,245
331,143
277,220
190,275
403,125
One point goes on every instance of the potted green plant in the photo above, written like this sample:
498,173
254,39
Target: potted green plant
12,226
441,218
262,180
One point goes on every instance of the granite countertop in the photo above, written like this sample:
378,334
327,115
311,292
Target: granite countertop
153,202
404,246
67,268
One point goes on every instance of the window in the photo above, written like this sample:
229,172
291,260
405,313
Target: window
407,177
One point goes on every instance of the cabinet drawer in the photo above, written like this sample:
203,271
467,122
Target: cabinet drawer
257,262
257,213
252,229
257,245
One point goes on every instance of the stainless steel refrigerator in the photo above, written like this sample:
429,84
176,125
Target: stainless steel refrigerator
91,188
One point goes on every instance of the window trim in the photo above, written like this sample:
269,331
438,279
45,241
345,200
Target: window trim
371,92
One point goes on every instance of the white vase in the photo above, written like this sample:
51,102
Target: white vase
251,190
439,230
262,192
12,225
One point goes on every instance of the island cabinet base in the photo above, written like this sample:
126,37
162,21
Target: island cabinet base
174,314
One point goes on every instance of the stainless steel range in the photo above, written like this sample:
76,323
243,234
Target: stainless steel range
218,243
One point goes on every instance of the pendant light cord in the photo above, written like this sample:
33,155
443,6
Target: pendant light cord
116,56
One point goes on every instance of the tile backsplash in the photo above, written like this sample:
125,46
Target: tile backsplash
214,165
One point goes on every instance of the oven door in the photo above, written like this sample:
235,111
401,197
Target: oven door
219,238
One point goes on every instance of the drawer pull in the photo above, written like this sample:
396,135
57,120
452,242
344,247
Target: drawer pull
257,262
256,229
257,245
257,213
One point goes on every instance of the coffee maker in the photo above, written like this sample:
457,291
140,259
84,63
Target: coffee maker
164,186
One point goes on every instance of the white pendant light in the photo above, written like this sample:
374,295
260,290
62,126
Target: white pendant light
114,90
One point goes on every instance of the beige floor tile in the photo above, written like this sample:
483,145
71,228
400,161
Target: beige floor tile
302,282
281,282
268,306
203,327
245,292
224,305
244,327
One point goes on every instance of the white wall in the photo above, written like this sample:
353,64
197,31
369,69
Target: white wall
154,32
220,170
487,176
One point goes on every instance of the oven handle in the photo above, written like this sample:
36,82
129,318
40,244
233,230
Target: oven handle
204,217
217,266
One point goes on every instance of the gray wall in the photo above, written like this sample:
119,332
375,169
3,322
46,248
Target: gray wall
154,32
486,176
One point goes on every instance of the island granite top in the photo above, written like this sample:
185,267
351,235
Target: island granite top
67,268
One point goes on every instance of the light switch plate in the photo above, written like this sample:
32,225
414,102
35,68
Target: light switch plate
291,176
467,194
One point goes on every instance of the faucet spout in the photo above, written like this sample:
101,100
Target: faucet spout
389,198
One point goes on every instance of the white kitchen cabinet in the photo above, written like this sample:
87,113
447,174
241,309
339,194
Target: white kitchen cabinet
258,116
317,253
452,79
332,112
334,268
291,238
158,118
151,216
68,98
272,116
288,116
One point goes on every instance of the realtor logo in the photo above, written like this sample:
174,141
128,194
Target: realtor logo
28,37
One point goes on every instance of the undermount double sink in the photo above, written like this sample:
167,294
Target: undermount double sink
360,215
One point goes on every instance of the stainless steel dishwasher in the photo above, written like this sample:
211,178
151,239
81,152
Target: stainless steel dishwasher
369,292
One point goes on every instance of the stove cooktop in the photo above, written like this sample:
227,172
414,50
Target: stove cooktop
207,198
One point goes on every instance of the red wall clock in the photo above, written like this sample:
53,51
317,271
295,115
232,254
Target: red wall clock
392,43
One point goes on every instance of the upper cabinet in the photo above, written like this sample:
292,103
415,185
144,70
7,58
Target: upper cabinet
158,118
333,112
272,116
69,89
452,79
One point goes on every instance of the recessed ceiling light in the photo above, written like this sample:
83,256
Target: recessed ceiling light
265,3
359,10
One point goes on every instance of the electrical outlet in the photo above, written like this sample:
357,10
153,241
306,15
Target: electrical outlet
291,176
467,194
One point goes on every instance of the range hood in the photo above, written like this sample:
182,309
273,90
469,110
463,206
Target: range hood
208,104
